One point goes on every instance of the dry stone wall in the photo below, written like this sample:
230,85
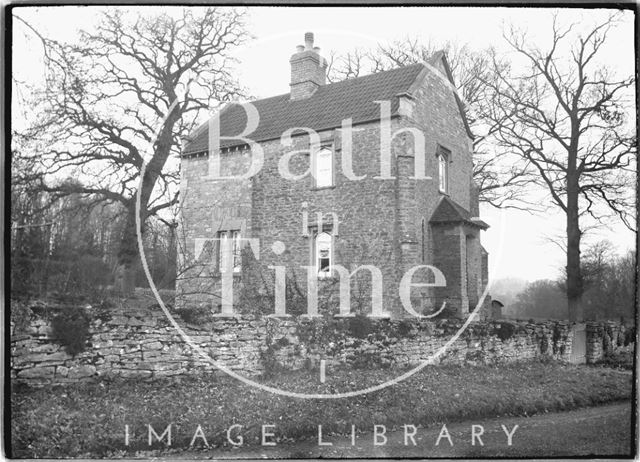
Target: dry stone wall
607,337
142,344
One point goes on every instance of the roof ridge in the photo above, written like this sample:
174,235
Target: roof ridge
325,109
461,214
352,79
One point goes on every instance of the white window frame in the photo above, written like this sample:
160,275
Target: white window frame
315,165
444,158
225,237
315,253
423,240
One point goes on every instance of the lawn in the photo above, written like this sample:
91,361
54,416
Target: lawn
88,420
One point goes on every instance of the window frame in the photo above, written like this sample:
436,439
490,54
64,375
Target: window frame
315,260
443,156
314,166
423,240
234,236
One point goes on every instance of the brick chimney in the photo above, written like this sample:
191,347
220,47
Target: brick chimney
308,69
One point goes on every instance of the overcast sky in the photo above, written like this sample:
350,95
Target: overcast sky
517,241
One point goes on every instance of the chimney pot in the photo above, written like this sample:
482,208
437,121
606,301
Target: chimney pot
308,69
308,40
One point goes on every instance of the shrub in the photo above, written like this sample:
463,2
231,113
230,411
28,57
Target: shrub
20,314
103,309
269,362
405,329
71,329
75,278
448,312
506,331
557,337
360,326
196,315
630,336
619,360
320,332
544,344
368,360
476,356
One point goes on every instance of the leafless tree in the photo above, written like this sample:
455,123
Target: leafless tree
499,184
565,118
125,94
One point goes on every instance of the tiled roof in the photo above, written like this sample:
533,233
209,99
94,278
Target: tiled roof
325,109
449,211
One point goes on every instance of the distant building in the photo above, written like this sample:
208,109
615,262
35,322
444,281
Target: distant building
496,309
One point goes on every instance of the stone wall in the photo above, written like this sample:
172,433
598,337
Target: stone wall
607,337
437,115
131,343
404,343
209,207
140,343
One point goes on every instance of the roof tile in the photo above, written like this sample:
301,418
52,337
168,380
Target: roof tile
449,211
325,109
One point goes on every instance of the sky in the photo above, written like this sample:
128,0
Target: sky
518,242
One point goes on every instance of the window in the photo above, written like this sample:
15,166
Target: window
229,248
443,169
323,168
323,254
424,243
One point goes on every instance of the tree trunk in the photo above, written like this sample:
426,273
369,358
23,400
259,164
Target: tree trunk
125,279
574,274
128,256
169,279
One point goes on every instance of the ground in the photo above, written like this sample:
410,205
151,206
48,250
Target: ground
88,420
603,430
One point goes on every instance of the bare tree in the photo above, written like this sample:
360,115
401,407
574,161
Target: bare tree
499,183
565,118
609,282
126,93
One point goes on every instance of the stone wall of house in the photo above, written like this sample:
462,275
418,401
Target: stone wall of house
452,248
208,207
364,225
381,222
365,221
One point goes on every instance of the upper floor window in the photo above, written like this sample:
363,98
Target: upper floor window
323,167
230,251
444,156
423,235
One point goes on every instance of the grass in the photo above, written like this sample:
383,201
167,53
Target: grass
88,420
619,360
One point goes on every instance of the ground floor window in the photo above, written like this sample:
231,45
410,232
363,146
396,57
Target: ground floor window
322,253
229,250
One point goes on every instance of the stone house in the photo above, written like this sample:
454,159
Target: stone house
310,207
